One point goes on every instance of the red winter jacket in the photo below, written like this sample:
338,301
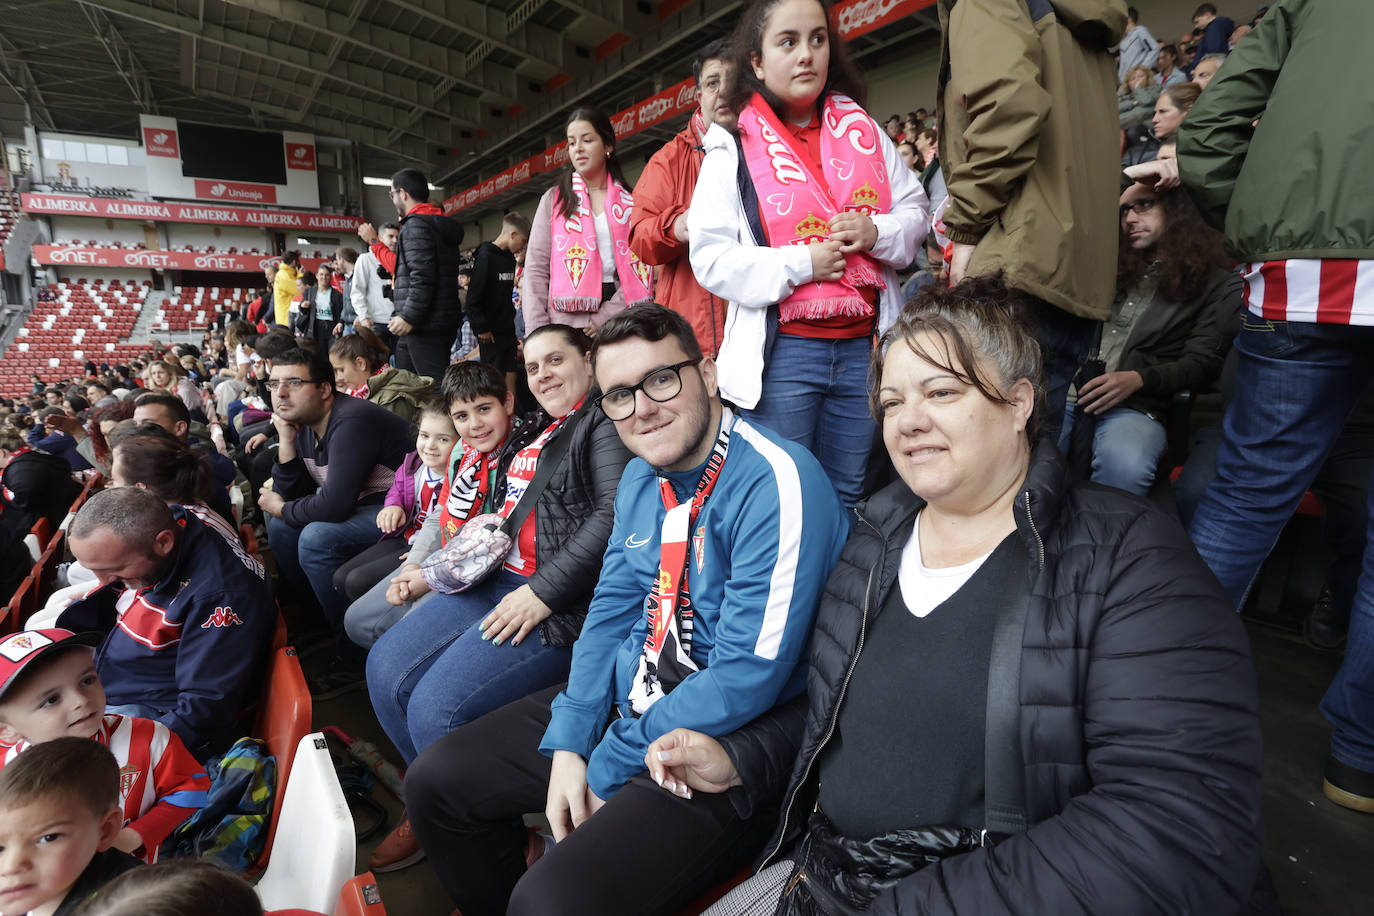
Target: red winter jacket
662,193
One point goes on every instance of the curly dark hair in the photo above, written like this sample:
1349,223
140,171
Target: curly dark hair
1187,251
747,41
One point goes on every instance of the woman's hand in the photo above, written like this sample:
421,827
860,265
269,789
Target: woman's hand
517,614
683,760
391,518
827,261
406,585
854,232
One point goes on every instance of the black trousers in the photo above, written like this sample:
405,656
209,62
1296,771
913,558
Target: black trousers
645,852
356,577
424,354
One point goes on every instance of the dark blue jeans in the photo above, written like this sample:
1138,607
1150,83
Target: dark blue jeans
815,392
1295,385
432,671
311,555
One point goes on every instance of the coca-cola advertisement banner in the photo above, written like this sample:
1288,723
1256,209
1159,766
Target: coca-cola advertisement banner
856,17
670,103
236,190
300,156
161,141
62,255
159,211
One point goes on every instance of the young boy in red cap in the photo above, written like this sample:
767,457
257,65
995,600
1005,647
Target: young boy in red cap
49,689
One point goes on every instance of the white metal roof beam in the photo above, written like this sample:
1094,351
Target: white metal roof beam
404,92
127,65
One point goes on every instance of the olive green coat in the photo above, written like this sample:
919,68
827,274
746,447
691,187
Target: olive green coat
1030,145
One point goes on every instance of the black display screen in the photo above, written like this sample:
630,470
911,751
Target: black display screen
231,154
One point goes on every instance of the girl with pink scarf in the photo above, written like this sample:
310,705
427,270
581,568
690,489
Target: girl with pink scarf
807,259
579,269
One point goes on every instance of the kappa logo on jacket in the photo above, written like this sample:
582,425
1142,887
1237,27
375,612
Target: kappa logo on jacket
222,617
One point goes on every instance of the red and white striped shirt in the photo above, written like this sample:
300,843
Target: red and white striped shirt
1320,290
160,783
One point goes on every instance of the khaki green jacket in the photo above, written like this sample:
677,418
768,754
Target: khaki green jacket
1030,145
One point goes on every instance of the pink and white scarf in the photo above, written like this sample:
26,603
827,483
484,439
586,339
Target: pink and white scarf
575,275
796,205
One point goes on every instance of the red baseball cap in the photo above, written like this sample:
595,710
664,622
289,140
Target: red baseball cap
27,646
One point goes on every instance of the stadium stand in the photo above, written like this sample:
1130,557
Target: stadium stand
85,320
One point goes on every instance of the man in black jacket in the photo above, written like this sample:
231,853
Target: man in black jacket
1163,335
425,290
490,308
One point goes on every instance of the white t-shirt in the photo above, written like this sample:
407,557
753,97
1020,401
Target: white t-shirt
924,589
603,245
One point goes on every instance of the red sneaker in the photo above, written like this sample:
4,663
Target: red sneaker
399,850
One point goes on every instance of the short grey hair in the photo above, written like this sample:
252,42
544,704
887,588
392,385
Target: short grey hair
133,514
981,319
1216,56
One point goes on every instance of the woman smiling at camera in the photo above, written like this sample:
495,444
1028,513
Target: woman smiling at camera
1026,695
459,656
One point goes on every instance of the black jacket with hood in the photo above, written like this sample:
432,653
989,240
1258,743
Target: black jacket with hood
1139,715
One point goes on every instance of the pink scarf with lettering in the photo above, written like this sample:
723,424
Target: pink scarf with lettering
575,274
796,205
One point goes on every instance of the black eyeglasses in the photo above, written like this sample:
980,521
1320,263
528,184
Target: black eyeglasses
660,385
1140,207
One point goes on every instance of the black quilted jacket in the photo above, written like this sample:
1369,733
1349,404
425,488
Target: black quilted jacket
572,520
1139,715
425,291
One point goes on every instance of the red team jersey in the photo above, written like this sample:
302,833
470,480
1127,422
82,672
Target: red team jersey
160,783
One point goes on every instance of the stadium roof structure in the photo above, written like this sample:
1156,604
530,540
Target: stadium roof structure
459,88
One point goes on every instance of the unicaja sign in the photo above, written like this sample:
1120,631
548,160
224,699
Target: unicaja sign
161,141
233,190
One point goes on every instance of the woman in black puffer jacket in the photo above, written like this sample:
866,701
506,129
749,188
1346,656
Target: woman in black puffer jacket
1040,703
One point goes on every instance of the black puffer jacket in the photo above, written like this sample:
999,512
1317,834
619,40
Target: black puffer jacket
572,520
425,291
1139,715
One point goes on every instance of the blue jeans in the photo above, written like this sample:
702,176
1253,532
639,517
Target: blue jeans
432,671
815,392
310,555
1127,446
1295,384
1065,341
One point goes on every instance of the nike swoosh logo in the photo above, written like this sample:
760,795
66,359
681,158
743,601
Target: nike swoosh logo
631,543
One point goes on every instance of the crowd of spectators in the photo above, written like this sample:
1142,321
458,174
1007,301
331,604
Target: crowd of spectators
660,509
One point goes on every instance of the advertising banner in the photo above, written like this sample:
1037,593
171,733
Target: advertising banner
159,211
62,255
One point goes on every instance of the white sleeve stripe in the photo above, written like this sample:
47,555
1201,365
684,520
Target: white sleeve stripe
779,601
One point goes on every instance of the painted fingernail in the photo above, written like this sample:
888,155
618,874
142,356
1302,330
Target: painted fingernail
665,756
496,641
486,636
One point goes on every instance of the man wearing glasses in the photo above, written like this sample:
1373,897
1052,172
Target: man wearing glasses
1164,334
335,462
724,537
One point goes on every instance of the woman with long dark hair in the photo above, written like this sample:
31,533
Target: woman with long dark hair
806,254
579,269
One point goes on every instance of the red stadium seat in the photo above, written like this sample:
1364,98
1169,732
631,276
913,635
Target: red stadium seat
360,897
283,719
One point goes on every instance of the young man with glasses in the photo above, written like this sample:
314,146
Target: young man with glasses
724,537
336,459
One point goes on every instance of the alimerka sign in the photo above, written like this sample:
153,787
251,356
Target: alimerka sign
160,211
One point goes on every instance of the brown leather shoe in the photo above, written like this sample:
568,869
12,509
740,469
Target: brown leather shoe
399,850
